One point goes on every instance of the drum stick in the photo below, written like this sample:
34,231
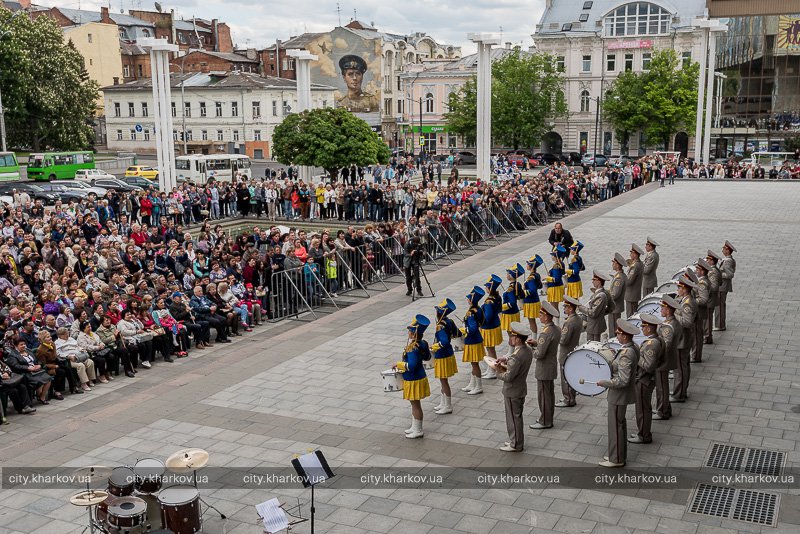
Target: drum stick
583,381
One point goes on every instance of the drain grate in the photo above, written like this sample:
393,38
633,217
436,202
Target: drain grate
740,504
747,460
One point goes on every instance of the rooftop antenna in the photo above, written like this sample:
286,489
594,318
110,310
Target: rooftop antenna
501,33
355,14
339,13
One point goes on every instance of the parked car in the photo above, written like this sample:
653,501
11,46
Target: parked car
114,183
142,170
85,187
546,159
144,183
89,174
35,192
64,193
594,159
573,158
465,158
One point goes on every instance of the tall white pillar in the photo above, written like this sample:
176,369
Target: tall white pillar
701,85
483,138
160,50
712,65
303,59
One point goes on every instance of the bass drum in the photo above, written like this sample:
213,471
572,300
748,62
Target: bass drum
677,275
650,304
668,288
639,338
587,362
180,509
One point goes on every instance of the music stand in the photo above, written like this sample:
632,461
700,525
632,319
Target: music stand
312,468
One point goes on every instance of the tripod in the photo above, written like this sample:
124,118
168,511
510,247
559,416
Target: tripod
421,270
221,515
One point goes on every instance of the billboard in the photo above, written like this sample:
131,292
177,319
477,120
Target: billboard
789,32
352,64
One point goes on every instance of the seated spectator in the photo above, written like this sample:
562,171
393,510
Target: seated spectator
22,362
67,349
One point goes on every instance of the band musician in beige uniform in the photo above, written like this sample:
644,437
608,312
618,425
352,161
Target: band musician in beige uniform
727,267
650,266
514,375
715,279
685,314
596,308
671,333
651,356
617,291
571,328
702,294
621,392
633,280
545,353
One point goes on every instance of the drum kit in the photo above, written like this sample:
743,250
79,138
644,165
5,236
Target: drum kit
135,500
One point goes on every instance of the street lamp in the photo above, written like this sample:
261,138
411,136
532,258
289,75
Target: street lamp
596,99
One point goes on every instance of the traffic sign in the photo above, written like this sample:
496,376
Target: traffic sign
421,141
139,128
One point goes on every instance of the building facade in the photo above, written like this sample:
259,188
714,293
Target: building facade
593,42
232,112
208,61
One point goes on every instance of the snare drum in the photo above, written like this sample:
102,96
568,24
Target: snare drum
589,363
457,343
180,509
392,380
650,304
128,514
668,288
148,475
121,482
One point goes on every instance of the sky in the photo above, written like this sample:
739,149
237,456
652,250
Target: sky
256,23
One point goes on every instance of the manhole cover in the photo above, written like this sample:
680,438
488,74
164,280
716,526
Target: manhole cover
764,462
725,457
740,504
747,460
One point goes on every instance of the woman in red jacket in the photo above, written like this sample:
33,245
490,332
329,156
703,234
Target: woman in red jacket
145,208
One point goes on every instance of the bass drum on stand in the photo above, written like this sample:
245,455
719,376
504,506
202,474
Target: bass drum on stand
589,362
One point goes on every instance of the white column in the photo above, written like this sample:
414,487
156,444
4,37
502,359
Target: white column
701,85
712,65
303,59
162,112
483,138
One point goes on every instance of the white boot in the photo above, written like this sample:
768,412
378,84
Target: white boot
441,403
447,406
410,429
471,384
416,431
478,387
489,374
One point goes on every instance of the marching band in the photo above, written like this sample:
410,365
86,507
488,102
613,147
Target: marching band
641,352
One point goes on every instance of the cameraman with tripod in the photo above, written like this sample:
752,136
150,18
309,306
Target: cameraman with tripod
412,256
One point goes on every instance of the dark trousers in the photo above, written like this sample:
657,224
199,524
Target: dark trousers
682,375
566,390
516,434
697,350
547,401
617,434
722,310
593,337
217,323
708,325
644,408
19,395
412,277
612,324
199,330
630,307
663,407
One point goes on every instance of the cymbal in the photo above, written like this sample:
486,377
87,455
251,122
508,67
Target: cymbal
187,460
494,364
89,498
92,472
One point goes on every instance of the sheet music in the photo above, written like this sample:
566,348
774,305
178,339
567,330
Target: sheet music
273,515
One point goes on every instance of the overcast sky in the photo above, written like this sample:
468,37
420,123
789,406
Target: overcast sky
256,23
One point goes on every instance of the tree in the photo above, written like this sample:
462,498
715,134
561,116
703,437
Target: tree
48,97
330,138
527,90
660,101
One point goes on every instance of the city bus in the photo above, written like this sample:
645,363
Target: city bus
9,168
199,169
58,165
771,160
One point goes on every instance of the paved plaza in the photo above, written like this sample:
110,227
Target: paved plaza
297,386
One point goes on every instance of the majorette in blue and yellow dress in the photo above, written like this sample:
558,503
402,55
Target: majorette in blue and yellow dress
474,350
530,303
415,381
573,272
444,360
511,297
555,283
491,332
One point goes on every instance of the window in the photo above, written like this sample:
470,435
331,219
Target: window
387,106
275,108
288,63
145,111
637,18
611,62
139,70
587,64
188,135
324,104
272,55
429,103
686,59
126,71
234,109
236,135
133,134
256,135
131,109
174,109
204,135
145,32
147,134
117,110
398,83
187,109
202,109
587,5
560,65
89,37
174,135
220,136
401,106
584,17
256,109
646,58
567,27
286,108
119,135
91,61
628,62
585,101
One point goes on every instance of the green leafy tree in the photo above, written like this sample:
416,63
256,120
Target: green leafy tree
527,91
330,138
622,107
48,97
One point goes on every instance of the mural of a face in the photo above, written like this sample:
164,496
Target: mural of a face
353,79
